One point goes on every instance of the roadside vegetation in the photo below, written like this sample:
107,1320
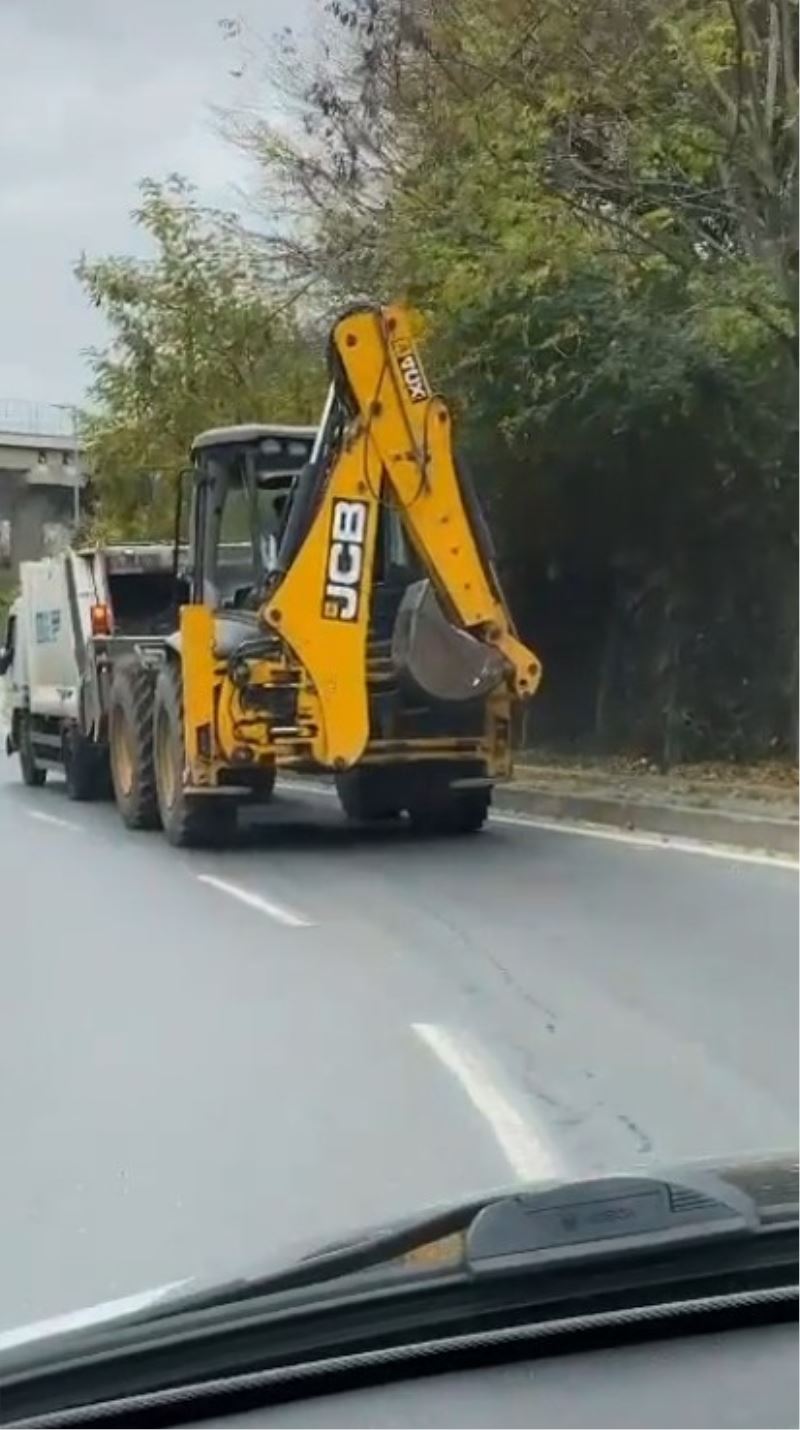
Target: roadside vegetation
592,203
7,592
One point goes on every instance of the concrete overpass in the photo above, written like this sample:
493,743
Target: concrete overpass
41,478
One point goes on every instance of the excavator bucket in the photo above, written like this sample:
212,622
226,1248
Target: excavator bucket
438,658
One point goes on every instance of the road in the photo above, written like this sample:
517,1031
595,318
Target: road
205,1056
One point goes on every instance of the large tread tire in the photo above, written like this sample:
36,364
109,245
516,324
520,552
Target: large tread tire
33,775
189,821
451,812
85,766
369,795
130,738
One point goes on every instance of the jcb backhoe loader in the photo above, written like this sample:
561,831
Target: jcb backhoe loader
339,613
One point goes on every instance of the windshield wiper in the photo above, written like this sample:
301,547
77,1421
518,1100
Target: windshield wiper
387,1246
491,1263
610,1219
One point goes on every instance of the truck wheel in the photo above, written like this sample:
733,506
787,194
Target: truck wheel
451,812
33,775
130,742
83,766
368,794
188,820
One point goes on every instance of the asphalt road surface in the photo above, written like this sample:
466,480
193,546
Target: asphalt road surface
206,1056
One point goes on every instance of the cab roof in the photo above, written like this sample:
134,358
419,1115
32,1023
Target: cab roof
250,432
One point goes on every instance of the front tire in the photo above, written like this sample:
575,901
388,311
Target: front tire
33,775
130,740
189,821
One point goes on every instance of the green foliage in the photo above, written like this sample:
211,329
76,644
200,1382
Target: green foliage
593,203
8,590
198,340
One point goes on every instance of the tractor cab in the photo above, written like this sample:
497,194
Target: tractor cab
243,481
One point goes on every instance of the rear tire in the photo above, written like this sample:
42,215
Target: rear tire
33,775
85,766
369,794
189,821
130,742
451,812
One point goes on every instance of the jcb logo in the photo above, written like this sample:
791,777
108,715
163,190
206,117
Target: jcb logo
345,564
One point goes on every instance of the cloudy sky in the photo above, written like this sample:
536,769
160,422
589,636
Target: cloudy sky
97,94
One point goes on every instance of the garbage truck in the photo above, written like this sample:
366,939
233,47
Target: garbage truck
335,606
77,614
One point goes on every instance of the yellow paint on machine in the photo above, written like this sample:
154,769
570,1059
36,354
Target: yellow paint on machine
322,606
410,431
401,441
199,679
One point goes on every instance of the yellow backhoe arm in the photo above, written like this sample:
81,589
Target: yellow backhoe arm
321,606
411,431
393,433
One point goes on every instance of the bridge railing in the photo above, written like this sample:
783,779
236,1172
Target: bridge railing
37,419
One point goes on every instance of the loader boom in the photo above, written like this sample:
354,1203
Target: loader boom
386,438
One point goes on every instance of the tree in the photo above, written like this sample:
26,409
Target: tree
593,203
671,122
199,339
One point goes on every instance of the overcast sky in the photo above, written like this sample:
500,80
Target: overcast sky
95,95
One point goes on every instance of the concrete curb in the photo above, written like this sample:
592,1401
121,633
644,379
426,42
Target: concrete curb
678,821
712,826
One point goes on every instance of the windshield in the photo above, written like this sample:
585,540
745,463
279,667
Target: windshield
398,762
249,488
253,516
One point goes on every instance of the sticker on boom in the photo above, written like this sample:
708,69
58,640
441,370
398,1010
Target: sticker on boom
416,383
344,568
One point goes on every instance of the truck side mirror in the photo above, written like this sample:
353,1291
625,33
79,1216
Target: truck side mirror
6,657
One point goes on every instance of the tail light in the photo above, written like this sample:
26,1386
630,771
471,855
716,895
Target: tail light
100,619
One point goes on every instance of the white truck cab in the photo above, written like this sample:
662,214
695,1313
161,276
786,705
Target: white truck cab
74,614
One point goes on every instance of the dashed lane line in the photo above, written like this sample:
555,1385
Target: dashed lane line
526,1152
55,819
279,912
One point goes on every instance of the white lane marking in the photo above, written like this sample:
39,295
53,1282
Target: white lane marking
526,1153
54,819
279,912
643,840
640,839
308,787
